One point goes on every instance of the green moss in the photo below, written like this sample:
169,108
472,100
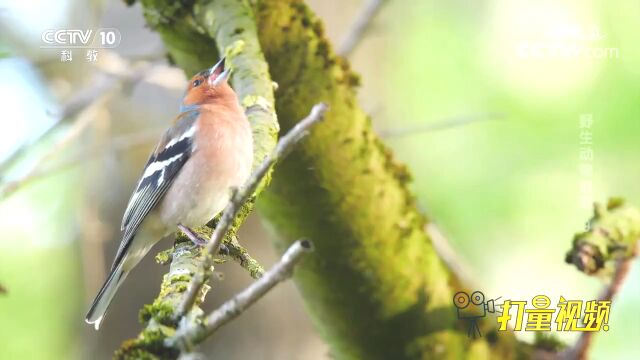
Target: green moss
166,12
160,311
353,79
184,278
614,203
164,257
148,345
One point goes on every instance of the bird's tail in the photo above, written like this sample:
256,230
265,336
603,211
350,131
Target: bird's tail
103,299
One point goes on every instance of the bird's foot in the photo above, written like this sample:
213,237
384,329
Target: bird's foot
198,241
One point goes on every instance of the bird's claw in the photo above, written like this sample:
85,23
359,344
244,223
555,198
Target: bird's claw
198,241
224,250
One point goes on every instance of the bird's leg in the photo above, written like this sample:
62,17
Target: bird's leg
198,241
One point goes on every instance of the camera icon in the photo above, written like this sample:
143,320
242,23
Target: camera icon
471,308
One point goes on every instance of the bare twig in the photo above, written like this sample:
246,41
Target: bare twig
79,101
581,348
78,126
238,198
118,143
360,26
441,125
101,89
193,333
7,163
447,253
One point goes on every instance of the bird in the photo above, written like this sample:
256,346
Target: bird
189,177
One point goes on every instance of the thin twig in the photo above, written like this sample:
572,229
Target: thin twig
448,254
238,198
102,89
360,26
194,333
78,102
117,144
76,129
581,348
441,125
8,163
240,255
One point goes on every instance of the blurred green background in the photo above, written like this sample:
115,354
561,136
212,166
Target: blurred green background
508,188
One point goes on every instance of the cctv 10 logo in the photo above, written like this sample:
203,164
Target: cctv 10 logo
76,38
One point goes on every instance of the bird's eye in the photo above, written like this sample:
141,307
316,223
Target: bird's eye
196,83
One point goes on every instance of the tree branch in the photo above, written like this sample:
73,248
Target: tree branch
613,231
76,129
360,26
189,334
240,255
437,126
610,244
580,349
74,109
447,253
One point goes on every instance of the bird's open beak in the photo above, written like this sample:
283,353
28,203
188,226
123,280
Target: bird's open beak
223,74
218,67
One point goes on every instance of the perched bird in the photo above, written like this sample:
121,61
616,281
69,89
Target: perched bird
188,179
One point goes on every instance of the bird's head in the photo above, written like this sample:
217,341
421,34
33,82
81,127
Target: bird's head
209,86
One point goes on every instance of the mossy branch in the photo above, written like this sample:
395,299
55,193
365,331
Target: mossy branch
606,250
191,333
612,234
240,255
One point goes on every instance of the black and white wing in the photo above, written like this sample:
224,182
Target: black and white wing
172,152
